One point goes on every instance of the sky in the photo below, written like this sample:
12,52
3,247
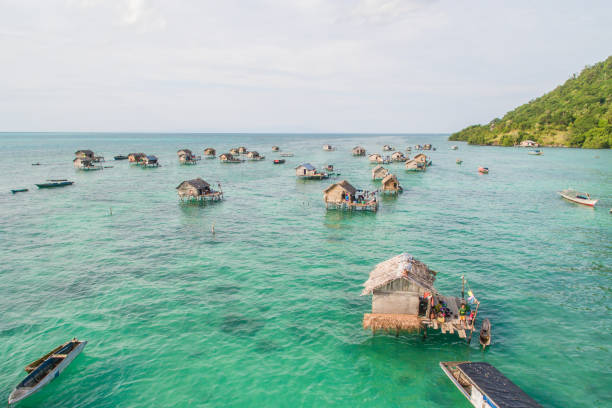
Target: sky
402,66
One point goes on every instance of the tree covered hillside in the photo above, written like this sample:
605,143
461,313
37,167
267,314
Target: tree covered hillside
577,113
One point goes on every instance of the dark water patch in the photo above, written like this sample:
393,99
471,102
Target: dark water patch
226,288
267,346
241,325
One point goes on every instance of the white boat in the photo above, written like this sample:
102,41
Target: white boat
287,154
454,147
536,152
485,386
577,197
45,369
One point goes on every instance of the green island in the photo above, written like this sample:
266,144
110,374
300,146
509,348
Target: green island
575,114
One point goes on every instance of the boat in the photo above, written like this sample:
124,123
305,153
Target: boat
454,147
55,183
19,190
483,170
485,386
577,197
287,154
45,369
120,157
279,161
536,152
485,333
458,161
35,164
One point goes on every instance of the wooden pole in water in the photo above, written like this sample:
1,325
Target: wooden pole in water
473,322
462,287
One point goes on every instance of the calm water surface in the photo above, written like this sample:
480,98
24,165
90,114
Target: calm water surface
267,311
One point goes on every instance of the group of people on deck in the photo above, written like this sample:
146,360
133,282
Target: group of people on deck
440,311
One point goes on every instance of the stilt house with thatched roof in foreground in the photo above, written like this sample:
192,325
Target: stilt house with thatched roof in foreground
404,299
390,185
344,196
198,190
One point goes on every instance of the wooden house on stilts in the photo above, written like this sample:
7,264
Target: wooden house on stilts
186,156
390,185
404,299
210,153
358,151
344,196
198,190
379,172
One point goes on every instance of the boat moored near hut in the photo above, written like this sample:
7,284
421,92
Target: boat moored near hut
379,172
254,156
135,157
229,158
198,190
309,172
344,196
390,185
358,151
485,386
210,153
398,157
404,299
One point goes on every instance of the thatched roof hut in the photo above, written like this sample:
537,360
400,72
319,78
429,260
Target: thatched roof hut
415,165
308,171
379,172
328,147
340,192
184,152
388,148
398,157
275,148
197,189
234,151
85,164
84,154
209,151
136,157
229,158
253,155
358,151
242,150
397,286
390,184
375,158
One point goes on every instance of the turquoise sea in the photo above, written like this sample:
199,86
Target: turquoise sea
267,311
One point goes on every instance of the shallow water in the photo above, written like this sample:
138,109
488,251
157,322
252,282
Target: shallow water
267,312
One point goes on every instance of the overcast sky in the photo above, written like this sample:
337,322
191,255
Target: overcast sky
286,65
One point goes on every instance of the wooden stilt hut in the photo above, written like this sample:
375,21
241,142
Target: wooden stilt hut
344,196
198,190
210,153
388,148
234,151
398,157
358,151
149,161
404,299
418,163
135,157
242,150
308,172
84,154
229,158
328,147
390,185
275,148
379,172
254,156
186,156
85,164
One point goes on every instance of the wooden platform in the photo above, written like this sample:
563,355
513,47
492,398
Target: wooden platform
391,322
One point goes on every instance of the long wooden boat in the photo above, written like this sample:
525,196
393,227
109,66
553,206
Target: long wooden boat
483,170
536,152
19,190
55,183
45,369
120,157
485,386
279,161
577,197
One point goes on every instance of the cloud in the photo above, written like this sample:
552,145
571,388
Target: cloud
386,11
141,14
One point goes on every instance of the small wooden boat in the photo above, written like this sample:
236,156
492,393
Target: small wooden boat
485,333
536,152
483,170
287,154
577,197
35,164
121,157
55,183
279,161
485,386
454,147
45,369
19,190
458,161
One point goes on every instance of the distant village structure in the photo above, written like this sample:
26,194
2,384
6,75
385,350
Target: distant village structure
210,153
379,172
358,151
186,156
398,157
229,158
254,156
308,171
390,185
135,157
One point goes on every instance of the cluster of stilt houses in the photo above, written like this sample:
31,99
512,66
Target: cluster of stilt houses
87,160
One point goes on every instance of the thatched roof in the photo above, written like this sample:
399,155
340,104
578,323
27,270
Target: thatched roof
253,153
345,185
389,177
402,266
185,151
197,183
358,149
388,321
85,152
209,150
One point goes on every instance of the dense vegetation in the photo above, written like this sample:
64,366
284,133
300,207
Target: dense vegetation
577,113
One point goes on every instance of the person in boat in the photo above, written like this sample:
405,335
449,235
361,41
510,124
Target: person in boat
463,311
